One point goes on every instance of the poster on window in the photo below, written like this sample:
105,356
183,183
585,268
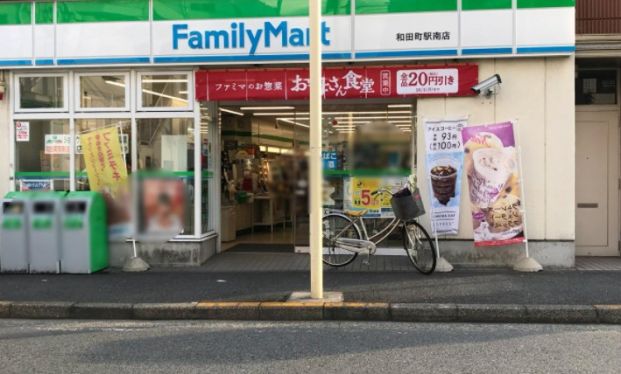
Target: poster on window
491,166
358,195
22,131
37,185
444,161
57,144
163,208
107,174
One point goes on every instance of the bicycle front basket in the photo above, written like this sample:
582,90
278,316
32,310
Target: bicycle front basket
407,205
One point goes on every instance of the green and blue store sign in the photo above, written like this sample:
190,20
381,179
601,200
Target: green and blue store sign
141,32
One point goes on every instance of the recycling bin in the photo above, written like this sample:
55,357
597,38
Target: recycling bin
84,233
14,233
44,232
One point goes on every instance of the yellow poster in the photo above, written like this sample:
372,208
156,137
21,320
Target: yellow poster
105,165
358,195
362,189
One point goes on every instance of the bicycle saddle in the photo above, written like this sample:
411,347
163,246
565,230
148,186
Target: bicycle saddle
355,213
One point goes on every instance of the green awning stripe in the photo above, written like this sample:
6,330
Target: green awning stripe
404,6
545,3
18,13
102,11
71,11
44,12
168,10
486,4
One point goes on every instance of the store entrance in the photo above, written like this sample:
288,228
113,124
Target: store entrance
264,168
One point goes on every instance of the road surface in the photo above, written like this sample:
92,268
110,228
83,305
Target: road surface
312,347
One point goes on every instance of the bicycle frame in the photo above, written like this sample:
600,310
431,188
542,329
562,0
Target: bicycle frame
380,236
366,244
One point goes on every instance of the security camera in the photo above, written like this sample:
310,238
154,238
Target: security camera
488,86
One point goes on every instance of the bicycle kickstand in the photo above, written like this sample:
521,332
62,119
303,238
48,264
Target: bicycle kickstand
366,261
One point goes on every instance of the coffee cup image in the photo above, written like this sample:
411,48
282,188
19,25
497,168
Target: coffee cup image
491,170
479,141
443,179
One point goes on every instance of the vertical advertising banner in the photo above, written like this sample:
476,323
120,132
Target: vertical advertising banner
444,162
107,174
491,166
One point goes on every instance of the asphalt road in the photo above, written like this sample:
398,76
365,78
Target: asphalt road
320,347
462,287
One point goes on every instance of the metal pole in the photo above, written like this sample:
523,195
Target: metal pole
315,174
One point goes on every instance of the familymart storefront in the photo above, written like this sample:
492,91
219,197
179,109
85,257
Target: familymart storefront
213,95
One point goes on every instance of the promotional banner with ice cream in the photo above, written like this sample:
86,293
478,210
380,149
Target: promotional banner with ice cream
444,169
491,165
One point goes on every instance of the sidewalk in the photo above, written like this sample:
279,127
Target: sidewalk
221,281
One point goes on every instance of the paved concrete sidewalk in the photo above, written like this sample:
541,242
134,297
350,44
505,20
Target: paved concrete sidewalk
469,286
221,290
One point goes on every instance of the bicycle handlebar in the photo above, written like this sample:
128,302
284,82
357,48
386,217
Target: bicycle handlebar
411,185
381,190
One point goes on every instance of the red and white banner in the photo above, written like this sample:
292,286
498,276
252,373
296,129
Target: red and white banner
342,82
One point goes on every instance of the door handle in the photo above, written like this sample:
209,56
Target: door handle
588,205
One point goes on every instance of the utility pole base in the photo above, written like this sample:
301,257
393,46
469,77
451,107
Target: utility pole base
303,296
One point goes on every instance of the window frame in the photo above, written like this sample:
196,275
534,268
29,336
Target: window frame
73,114
77,92
138,90
17,107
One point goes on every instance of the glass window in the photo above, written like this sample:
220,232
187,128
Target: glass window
166,156
42,154
83,126
39,93
596,87
103,91
165,91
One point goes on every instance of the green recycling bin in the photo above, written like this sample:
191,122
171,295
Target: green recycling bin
44,231
84,233
14,233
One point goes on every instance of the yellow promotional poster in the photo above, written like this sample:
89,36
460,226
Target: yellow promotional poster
107,174
104,160
361,193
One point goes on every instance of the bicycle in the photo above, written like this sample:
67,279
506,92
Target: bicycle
345,235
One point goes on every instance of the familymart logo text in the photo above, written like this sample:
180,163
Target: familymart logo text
240,36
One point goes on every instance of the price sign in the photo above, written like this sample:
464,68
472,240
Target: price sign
357,195
361,193
444,136
427,81
444,163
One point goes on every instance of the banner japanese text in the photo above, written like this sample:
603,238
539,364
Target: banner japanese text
348,83
444,162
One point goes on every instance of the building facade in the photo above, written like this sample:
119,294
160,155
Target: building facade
193,88
598,49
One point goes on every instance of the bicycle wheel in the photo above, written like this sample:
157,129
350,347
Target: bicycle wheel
337,226
419,247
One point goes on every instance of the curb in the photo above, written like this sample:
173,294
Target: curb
316,311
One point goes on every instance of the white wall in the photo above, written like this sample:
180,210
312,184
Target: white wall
539,94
